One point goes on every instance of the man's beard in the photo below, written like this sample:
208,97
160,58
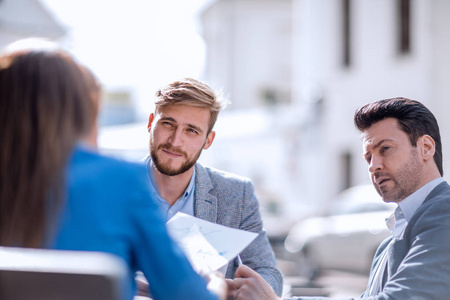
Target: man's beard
166,170
405,181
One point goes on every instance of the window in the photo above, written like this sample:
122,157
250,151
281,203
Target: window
346,160
346,25
404,20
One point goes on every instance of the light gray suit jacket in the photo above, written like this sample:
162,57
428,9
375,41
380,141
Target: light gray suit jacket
419,264
229,200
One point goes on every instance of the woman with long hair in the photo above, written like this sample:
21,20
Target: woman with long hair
56,192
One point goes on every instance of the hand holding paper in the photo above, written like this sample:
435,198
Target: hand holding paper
207,245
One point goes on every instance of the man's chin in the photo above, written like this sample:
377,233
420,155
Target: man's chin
170,167
169,172
167,168
388,197
172,173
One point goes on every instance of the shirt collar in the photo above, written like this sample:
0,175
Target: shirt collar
406,208
189,190
411,203
191,186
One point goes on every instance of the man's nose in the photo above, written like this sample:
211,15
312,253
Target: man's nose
376,164
175,138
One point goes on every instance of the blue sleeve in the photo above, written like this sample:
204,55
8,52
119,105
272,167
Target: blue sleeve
167,270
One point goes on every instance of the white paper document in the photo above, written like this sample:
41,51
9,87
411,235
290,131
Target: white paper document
207,245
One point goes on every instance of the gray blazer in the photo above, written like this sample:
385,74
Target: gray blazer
229,200
419,264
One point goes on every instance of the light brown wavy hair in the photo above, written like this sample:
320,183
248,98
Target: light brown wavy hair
47,104
189,91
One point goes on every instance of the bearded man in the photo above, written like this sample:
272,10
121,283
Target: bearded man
403,150
180,128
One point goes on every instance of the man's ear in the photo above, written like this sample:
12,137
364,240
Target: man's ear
150,121
209,139
427,146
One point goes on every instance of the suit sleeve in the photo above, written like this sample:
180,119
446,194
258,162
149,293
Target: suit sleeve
420,268
258,255
424,271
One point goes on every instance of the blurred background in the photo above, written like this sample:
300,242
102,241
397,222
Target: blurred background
294,71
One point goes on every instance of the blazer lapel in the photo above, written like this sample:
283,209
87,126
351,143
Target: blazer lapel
376,264
396,253
205,206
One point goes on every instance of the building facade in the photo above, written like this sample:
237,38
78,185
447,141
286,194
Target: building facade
342,54
26,18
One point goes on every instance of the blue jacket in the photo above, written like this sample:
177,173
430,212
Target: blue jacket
110,208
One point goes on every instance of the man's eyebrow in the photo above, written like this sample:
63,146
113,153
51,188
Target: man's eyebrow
381,142
168,119
378,144
195,127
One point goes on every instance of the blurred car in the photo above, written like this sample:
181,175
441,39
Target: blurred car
344,239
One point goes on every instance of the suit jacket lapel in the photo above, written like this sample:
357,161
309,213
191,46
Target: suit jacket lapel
205,206
399,248
396,254
435,192
376,264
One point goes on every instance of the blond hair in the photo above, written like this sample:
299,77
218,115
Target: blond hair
189,91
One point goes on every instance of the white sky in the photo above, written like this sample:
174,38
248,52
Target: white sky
136,44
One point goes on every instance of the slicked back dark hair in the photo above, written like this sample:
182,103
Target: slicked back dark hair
413,118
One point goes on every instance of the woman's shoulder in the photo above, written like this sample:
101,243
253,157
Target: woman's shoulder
90,168
90,160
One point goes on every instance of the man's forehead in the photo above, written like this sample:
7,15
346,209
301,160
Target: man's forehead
386,130
182,109
188,114
369,137
367,142
374,143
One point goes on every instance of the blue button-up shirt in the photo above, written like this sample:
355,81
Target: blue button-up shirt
183,204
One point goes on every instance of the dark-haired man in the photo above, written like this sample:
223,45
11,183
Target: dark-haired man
402,147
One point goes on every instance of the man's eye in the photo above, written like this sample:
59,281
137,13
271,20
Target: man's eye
384,149
192,131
